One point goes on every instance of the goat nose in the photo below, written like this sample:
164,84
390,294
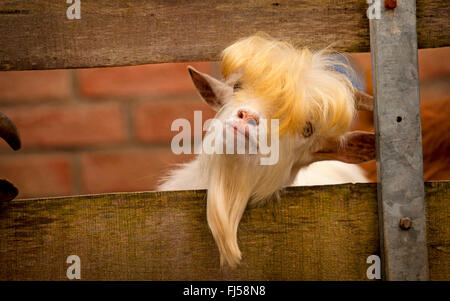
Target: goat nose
248,117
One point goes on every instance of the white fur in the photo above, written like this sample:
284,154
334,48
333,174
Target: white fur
188,176
330,173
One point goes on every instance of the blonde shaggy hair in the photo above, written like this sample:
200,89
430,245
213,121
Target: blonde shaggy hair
296,85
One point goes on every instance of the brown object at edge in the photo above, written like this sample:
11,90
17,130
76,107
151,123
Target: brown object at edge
7,191
9,133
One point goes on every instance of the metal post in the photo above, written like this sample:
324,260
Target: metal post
393,43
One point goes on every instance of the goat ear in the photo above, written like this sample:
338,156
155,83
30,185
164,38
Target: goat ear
213,91
364,102
355,147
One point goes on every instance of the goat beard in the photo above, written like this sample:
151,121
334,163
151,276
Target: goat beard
232,179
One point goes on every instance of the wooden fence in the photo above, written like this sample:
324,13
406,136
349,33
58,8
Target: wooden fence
313,233
37,34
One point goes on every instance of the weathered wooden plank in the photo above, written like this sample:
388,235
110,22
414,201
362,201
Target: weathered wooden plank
393,42
313,233
437,207
38,35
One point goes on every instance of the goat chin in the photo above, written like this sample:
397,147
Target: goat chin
232,184
224,212
230,187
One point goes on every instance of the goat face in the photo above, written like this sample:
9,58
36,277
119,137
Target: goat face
236,180
267,83
247,119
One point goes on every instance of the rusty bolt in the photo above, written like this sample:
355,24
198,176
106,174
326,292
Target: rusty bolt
390,4
405,223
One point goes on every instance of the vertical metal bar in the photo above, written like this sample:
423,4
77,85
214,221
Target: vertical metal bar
393,43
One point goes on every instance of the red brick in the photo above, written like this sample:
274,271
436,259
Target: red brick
153,120
68,126
34,85
126,170
144,80
38,175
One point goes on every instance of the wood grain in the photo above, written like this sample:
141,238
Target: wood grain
37,34
313,233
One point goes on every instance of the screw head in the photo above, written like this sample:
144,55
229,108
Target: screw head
390,4
405,223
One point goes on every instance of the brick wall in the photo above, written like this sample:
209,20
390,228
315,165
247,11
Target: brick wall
106,130
95,130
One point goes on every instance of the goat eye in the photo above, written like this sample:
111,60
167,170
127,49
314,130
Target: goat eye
237,86
308,129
